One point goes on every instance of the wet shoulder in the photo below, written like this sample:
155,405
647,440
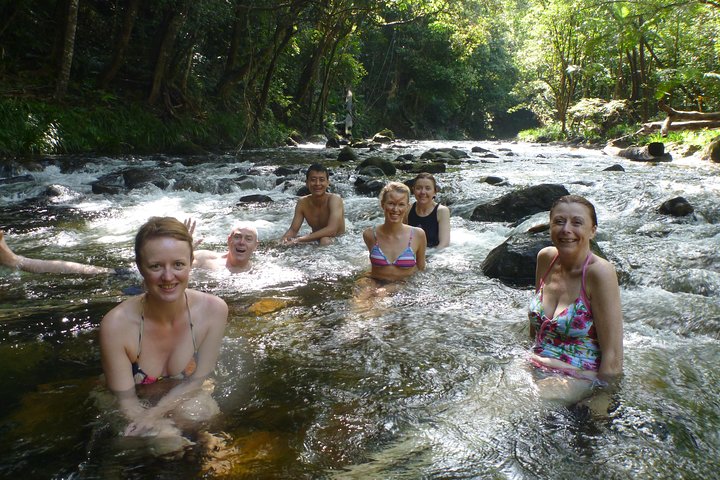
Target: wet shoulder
419,235
209,305
600,272
123,315
546,255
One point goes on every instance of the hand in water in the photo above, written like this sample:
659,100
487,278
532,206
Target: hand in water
149,426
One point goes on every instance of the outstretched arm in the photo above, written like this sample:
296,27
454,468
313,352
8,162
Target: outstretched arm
295,225
12,260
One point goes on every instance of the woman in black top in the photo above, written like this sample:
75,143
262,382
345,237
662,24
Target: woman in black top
428,214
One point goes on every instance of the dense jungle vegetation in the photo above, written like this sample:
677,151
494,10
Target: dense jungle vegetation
116,76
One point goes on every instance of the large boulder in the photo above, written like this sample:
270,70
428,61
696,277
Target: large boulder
652,152
371,171
129,179
140,177
347,154
384,136
111,183
712,151
386,166
368,186
513,261
199,184
432,167
256,198
519,204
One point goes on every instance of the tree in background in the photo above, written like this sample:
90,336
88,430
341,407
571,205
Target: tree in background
634,51
423,68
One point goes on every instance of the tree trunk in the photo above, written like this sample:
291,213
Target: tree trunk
167,46
60,14
634,75
265,92
319,113
68,49
666,126
239,36
674,121
13,10
309,73
652,152
121,44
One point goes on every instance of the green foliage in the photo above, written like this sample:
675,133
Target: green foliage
424,68
546,133
593,117
44,128
700,138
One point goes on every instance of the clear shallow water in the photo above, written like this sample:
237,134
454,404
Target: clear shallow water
426,382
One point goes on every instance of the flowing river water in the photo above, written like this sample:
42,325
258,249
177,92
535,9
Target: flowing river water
430,381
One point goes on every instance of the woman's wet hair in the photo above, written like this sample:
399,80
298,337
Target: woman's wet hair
426,176
577,199
394,187
160,227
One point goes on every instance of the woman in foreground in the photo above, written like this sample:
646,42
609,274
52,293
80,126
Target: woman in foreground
575,315
163,343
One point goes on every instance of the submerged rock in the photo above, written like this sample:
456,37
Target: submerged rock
257,198
677,207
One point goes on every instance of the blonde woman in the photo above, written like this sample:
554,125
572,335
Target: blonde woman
396,250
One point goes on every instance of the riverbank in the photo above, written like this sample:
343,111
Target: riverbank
109,126
689,144
113,127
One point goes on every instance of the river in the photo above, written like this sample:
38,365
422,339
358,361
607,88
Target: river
428,382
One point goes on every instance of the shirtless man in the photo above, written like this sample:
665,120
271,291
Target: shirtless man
242,242
323,211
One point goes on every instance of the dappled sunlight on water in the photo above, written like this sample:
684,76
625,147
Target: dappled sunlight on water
326,374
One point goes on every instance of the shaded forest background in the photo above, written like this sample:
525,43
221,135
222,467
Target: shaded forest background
117,76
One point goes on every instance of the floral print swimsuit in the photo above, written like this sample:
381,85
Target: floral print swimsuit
570,336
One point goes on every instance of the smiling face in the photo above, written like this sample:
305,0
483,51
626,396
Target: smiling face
165,266
424,190
395,204
317,182
242,242
571,226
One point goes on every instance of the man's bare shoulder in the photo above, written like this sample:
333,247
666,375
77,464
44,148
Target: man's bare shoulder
209,260
204,255
335,198
304,202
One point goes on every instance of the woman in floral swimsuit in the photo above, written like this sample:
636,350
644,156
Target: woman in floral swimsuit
575,315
